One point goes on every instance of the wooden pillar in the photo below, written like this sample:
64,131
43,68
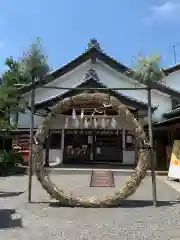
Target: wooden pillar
151,152
136,144
31,141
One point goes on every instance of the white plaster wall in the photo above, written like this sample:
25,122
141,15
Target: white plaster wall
172,80
113,79
128,157
24,120
70,79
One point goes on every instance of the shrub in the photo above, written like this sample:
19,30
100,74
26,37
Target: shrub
10,159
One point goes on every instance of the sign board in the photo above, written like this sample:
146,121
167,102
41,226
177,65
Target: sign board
174,167
90,132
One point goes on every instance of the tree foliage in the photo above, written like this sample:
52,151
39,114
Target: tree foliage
33,64
9,98
147,70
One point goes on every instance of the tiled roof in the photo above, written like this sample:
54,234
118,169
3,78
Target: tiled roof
95,52
90,75
171,69
173,113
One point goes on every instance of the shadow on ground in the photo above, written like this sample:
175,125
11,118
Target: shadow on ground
123,204
9,219
10,194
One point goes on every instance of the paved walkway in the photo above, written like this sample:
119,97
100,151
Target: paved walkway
135,219
174,184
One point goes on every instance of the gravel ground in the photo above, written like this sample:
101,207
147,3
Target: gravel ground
135,219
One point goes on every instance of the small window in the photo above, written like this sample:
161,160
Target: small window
129,141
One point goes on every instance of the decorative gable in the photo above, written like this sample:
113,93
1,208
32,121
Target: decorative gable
93,43
91,74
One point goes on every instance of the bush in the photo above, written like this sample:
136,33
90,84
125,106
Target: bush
10,159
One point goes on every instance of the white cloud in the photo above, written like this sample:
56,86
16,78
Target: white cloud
170,10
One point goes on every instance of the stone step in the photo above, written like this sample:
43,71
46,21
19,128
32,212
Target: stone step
102,179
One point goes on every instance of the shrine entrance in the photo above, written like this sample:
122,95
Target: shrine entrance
92,146
100,100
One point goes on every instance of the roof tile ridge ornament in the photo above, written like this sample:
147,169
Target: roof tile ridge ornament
91,73
93,43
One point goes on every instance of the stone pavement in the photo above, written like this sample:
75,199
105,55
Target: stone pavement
174,184
135,219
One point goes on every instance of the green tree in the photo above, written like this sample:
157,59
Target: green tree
147,69
9,98
33,65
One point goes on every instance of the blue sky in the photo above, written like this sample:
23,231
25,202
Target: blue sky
124,28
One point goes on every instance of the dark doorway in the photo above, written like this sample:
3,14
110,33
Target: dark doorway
76,146
92,146
108,146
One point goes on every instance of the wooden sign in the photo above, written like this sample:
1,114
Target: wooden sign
174,167
91,132
79,131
